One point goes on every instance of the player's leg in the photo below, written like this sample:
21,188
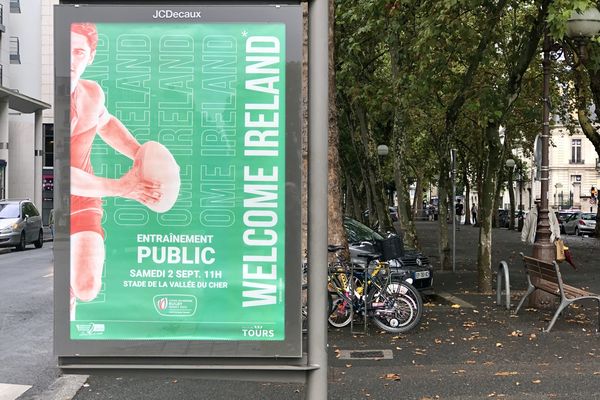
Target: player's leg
87,262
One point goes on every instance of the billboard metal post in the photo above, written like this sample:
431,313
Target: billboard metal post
318,111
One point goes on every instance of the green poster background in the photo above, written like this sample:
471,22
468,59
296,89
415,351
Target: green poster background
197,89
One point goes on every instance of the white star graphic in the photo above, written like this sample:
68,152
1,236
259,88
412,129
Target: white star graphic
244,33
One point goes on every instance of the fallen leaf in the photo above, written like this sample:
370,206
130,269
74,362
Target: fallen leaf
455,306
348,365
536,381
506,373
470,362
392,377
498,344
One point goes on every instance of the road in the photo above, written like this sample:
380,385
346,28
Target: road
26,316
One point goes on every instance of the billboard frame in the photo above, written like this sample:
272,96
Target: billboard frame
178,352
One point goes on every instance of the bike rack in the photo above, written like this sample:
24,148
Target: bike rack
354,267
503,275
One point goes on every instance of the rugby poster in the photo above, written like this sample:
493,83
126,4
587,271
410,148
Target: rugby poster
177,181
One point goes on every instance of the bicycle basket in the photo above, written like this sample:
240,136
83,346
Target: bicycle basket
391,248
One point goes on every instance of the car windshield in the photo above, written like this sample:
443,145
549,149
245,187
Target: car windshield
588,216
358,232
9,210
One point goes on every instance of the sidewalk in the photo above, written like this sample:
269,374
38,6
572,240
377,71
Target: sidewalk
464,349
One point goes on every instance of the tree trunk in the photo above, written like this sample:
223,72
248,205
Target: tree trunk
444,249
417,206
381,213
304,129
511,196
465,178
487,209
407,224
335,232
398,138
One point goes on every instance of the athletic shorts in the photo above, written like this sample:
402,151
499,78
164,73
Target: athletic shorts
86,215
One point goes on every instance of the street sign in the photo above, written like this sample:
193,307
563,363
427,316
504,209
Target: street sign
178,180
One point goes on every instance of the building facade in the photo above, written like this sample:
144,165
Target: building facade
21,144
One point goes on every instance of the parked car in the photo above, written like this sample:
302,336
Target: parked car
581,223
363,240
20,224
562,217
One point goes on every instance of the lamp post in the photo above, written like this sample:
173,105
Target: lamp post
520,213
579,26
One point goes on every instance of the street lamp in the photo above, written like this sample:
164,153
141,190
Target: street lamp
579,26
382,150
583,25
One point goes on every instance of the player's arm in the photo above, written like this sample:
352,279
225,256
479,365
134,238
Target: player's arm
110,129
117,136
129,186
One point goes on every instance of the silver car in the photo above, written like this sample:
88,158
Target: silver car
580,223
20,224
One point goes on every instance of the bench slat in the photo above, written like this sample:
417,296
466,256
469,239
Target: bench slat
547,277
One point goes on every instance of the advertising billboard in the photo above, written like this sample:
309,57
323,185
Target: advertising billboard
180,196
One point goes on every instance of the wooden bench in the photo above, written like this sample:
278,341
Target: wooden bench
550,281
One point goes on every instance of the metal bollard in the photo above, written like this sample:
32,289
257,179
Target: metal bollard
503,273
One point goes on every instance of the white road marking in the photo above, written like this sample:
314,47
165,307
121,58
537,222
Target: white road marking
455,300
11,392
65,387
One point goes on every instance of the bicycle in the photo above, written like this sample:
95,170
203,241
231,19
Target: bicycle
393,303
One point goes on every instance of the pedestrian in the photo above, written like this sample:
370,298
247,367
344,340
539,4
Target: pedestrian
51,222
530,225
458,210
474,214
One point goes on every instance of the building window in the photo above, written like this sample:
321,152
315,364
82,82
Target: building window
48,130
2,27
15,6
576,151
15,52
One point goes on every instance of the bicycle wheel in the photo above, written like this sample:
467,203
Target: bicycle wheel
399,307
340,311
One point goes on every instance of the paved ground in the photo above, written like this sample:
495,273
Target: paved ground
465,348
475,351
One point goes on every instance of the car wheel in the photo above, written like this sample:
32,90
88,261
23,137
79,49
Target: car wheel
40,241
22,243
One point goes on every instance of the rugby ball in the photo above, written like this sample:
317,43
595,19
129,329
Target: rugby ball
156,163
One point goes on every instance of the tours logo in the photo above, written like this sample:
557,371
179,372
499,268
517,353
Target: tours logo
258,332
91,329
